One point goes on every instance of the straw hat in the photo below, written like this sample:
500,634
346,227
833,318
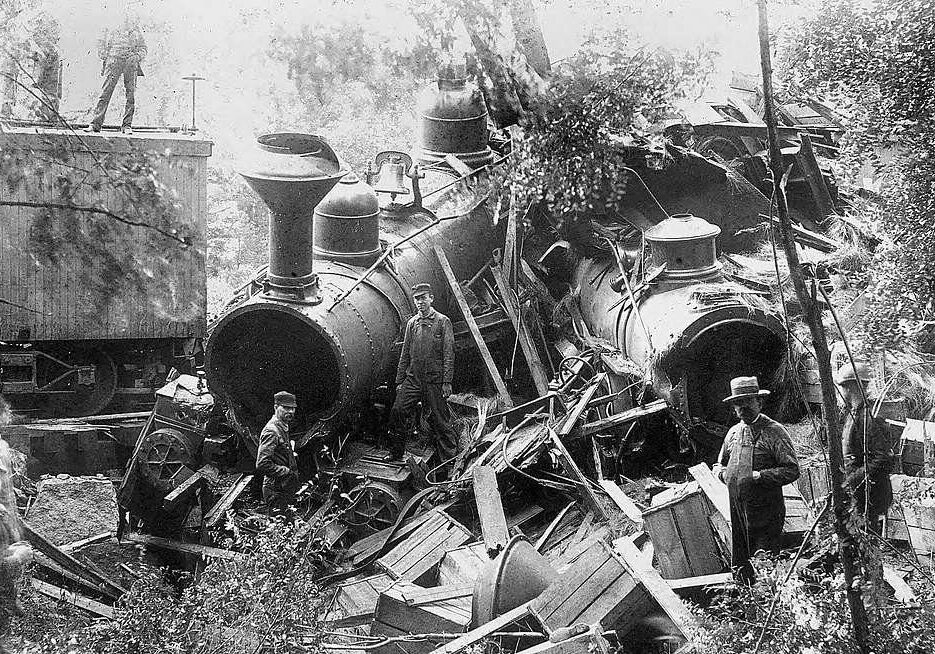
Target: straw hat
744,387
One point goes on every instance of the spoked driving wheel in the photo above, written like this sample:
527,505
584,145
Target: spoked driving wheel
375,506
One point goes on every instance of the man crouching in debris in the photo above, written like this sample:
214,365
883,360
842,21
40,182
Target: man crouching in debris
756,461
15,554
274,456
425,371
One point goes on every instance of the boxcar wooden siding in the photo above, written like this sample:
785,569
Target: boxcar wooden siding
51,300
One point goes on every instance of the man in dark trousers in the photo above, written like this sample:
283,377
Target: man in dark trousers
121,50
756,461
868,452
426,368
275,458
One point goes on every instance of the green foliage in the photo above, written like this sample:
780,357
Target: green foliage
876,61
605,98
269,599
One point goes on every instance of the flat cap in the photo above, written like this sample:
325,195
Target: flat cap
420,289
285,398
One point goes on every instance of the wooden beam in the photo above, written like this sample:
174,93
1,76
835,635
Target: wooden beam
45,562
539,377
68,597
90,540
624,417
656,586
187,548
493,523
509,242
628,506
184,492
481,632
482,349
216,513
811,239
419,596
572,470
67,561
816,181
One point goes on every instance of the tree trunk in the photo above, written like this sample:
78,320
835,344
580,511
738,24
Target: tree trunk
529,37
812,314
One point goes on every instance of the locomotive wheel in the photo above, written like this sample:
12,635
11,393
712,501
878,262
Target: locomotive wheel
163,453
88,400
720,147
376,507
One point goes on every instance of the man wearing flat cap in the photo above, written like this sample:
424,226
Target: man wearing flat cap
756,461
868,454
275,458
425,371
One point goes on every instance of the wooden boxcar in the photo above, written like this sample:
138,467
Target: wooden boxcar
102,265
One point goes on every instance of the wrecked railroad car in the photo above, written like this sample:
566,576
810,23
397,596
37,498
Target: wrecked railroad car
95,306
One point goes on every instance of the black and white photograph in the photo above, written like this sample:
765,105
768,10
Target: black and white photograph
467,326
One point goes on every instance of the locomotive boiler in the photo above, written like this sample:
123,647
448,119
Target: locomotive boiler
323,320
686,326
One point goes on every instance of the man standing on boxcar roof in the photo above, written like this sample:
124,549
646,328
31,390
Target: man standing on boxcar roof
425,371
122,48
756,461
275,458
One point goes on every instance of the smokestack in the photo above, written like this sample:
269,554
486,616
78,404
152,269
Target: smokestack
292,173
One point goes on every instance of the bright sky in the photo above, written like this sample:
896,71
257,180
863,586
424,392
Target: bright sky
223,40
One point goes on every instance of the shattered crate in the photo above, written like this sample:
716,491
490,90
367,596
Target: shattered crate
814,482
798,517
683,538
355,601
405,608
596,589
911,517
462,565
69,509
416,558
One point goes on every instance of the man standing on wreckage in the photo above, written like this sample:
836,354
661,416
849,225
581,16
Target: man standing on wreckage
756,460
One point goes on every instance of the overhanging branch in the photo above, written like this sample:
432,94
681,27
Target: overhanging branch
95,210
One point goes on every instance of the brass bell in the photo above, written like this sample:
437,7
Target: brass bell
390,179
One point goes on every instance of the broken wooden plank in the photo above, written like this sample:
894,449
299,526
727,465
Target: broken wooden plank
624,417
216,513
187,548
816,181
807,237
45,562
479,342
462,565
553,526
67,561
495,531
90,540
690,583
367,545
179,497
451,615
901,590
628,506
716,492
355,601
417,596
68,597
657,587
481,632
536,370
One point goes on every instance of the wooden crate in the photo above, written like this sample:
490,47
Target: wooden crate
596,589
462,565
682,535
416,558
355,600
401,611
912,521
798,515
814,482
916,447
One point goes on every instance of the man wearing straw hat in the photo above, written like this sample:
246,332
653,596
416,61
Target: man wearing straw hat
756,461
868,454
